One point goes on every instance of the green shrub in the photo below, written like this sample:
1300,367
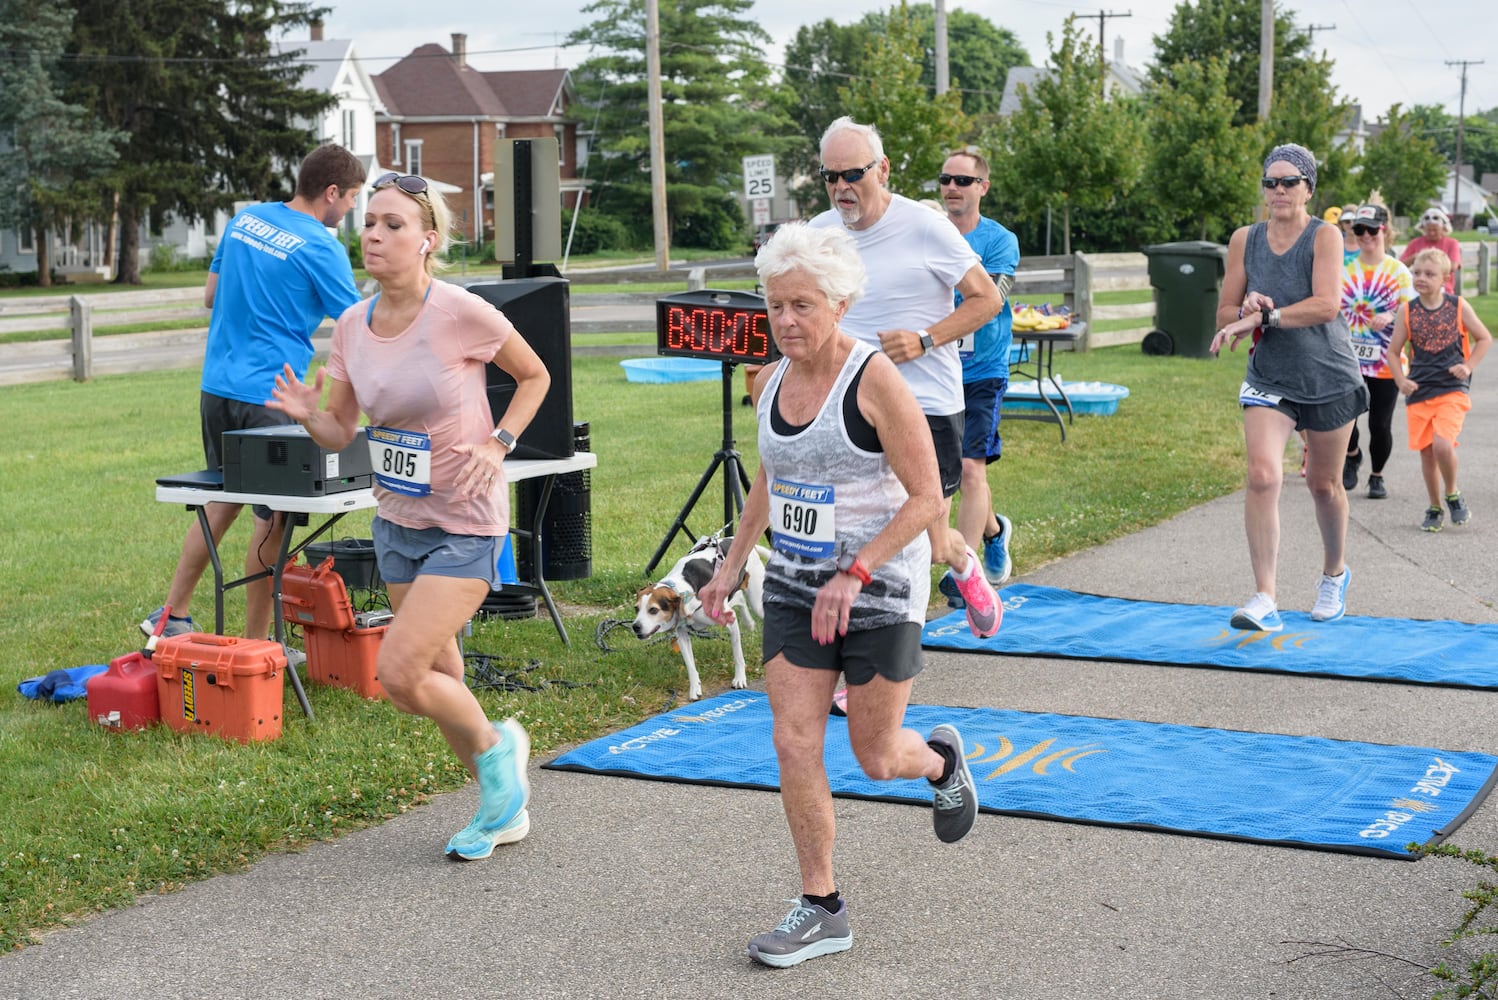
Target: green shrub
594,232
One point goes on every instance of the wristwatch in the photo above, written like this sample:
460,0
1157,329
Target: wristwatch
505,438
927,343
853,566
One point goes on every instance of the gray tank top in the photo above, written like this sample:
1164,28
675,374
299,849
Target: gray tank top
1306,364
827,496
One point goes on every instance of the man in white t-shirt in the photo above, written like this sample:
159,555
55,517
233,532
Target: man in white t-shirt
915,259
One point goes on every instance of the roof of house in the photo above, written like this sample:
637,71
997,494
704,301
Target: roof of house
431,82
1129,80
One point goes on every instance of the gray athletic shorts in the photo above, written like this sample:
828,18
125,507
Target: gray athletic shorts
1326,416
404,553
217,414
893,652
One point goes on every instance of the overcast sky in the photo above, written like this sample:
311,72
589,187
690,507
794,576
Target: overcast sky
1386,51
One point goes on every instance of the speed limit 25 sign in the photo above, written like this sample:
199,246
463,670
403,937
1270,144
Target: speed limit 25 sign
759,176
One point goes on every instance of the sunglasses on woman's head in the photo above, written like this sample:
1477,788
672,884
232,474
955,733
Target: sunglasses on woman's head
1285,182
1359,229
409,183
852,176
961,180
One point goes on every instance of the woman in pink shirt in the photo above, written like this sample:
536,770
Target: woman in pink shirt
1435,228
412,359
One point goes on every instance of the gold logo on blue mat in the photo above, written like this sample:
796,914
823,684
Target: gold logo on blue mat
1240,639
1040,757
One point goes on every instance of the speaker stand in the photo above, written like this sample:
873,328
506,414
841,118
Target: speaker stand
735,479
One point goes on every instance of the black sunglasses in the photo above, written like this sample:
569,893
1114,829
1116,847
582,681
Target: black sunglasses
1285,182
409,183
1358,229
961,180
851,176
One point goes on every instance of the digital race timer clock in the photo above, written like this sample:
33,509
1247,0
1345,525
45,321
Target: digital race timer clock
733,327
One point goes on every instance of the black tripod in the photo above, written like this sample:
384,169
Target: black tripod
735,479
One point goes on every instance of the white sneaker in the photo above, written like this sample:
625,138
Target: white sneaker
1258,615
1331,597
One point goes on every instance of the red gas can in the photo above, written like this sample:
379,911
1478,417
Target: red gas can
125,695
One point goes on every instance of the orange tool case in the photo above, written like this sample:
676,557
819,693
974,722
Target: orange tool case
220,684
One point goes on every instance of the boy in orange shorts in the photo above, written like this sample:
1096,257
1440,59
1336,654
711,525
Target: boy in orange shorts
1447,340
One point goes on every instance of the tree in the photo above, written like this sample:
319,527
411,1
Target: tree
1479,136
1307,109
1066,146
825,57
918,127
718,106
1229,29
1197,156
1404,166
207,108
54,147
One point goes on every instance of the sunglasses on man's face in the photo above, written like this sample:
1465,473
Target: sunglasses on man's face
1359,229
851,176
1288,183
409,183
961,180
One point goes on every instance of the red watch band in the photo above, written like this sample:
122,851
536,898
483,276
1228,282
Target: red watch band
859,570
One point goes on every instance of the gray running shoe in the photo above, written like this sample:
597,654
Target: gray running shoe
1433,518
1460,512
954,806
806,932
174,624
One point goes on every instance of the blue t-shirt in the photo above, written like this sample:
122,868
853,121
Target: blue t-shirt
279,273
985,351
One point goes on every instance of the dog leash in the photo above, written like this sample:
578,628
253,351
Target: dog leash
482,673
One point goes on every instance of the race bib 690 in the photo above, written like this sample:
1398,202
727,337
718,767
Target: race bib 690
801,519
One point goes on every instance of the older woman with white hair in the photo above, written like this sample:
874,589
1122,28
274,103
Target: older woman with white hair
1435,234
847,491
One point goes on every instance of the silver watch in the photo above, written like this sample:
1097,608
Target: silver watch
505,438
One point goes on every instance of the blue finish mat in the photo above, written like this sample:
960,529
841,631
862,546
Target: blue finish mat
1047,621
1291,791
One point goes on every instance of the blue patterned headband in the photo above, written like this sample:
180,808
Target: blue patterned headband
1297,156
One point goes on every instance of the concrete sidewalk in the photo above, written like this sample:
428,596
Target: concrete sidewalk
631,888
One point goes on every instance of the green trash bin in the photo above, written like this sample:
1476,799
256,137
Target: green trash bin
1187,279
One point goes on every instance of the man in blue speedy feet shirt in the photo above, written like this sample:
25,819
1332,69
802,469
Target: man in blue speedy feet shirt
277,272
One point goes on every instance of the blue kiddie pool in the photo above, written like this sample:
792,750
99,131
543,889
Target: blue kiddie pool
659,370
1086,397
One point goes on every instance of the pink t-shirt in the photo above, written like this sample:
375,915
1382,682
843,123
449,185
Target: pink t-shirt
1447,245
429,381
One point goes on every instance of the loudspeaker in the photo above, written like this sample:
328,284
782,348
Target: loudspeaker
540,309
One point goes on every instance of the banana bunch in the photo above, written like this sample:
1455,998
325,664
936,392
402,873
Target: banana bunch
1030,318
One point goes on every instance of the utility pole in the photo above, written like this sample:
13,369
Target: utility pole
1461,123
1102,20
657,134
943,72
1311,30
1266,58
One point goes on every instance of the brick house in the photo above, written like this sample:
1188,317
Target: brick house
441,118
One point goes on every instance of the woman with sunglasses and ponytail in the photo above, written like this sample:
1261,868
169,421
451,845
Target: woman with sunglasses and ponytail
411,358
1283,288
1374,286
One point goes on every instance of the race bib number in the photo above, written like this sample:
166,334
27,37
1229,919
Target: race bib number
402,460
801,519
965,348
1249,396
1367,352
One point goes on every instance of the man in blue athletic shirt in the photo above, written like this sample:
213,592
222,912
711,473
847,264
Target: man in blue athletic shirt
963,182
277,272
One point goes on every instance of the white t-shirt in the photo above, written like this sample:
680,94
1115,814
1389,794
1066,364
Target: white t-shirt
914,258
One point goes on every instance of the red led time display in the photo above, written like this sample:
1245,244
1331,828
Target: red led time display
718,326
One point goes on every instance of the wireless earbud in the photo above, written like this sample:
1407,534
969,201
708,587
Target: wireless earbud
426,246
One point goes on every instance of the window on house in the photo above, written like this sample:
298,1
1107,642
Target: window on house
25,241
349,136
395,141
561,145
413,156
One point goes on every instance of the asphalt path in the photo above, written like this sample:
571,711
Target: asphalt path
629,888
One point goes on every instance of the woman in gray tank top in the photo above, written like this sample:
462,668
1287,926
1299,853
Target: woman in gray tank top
1283,287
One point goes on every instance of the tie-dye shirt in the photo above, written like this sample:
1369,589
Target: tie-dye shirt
1366,291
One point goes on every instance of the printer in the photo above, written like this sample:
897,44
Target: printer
285,461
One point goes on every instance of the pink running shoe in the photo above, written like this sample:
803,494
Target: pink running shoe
984,612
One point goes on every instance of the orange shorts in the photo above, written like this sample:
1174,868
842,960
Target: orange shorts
1442,416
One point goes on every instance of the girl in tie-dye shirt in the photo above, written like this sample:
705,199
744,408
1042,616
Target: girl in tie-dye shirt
1374,286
